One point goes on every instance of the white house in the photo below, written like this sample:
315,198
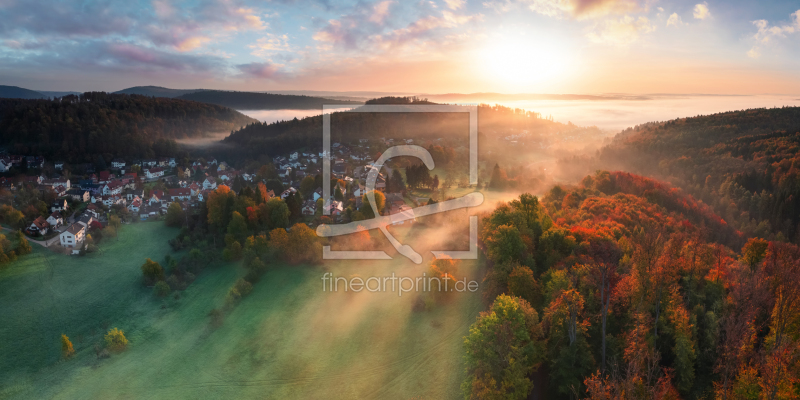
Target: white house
55,220
118,163
293,156
73,236
286,193
153,173
113,188
209,183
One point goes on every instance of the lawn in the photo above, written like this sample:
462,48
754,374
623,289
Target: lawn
288,339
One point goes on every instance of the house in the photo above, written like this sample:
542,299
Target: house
85,219
56,182
309,207
55,220
317,194
112,188
194,188
286,193
73,236
150,163
131,193
59,190
360,190
118,163
334,207
59,165
135,205
156,197
93,210
180,194
154,173
104,177
380,183
78,194
59,205
171,162
223,166
39,226
293,156
5,165
209,183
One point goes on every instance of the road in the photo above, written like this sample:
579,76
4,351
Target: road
43,243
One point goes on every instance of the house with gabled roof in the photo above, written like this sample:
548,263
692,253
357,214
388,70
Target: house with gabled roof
55,220
73,236
39,226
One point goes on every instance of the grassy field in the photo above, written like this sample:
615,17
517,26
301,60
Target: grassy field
288,339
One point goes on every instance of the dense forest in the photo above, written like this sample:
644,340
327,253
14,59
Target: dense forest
284,136
624,288
744,164
78,128
261,101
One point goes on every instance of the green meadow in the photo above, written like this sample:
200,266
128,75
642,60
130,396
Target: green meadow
287,339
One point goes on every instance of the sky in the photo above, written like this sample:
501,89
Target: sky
432,46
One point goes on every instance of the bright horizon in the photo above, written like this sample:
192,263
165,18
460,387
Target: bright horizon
434,47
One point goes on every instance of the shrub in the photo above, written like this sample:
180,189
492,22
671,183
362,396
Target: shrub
174,283
115,340
161,289
152,272
66,347
243,287
233,297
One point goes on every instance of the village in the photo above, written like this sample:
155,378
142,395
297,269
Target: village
141,190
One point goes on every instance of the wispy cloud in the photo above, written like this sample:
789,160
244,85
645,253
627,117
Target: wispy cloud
578,9
767,34
454,4
674,20
270,44
701,11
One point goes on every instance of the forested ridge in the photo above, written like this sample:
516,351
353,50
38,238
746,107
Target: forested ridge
284,136
622,287
261,101
744,164
78,128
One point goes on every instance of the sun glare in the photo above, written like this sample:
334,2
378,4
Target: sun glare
524,62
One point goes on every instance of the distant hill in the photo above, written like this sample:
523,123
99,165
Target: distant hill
157,91
15,92
262,101
83,128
